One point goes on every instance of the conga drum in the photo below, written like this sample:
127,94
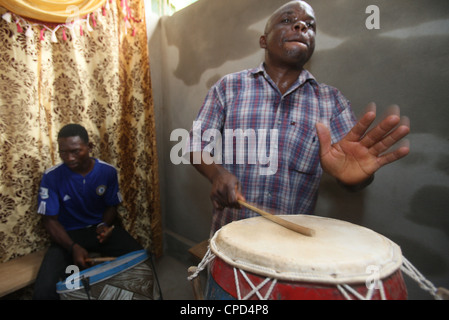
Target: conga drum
128,277
257,259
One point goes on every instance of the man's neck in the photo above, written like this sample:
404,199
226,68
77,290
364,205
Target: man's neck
283,76
86,168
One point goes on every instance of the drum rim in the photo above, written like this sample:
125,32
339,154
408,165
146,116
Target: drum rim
117,268
387,268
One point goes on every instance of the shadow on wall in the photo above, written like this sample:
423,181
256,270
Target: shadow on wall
397,72
216,34
429,207
404,62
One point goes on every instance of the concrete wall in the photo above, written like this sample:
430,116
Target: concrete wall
405,62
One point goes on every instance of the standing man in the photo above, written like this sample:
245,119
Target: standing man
78,199
315,125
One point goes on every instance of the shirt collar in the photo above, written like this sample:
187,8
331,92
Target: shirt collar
303,77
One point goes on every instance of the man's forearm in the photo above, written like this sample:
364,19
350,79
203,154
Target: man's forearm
109,215
57,233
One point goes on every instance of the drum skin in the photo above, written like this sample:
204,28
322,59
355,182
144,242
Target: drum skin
222,287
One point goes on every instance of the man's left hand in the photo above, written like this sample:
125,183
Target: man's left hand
356,157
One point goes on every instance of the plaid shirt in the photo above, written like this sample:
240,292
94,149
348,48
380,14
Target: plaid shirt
250,100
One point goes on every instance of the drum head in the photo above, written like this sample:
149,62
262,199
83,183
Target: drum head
340,252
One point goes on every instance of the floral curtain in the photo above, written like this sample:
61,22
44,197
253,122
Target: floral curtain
96,74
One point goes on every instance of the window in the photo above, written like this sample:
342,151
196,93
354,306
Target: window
168,7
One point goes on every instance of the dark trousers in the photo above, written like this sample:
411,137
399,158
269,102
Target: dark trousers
56,260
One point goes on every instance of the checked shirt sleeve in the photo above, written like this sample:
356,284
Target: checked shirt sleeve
210,117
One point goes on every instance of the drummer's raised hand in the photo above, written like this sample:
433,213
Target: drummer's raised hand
356,157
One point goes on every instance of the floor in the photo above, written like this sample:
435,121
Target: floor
172,274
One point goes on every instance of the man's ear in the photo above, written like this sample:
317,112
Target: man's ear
263,41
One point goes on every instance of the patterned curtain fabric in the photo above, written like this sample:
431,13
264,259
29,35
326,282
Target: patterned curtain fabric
100,79
53,10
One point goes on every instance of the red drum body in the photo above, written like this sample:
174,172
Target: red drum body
224,289
257,259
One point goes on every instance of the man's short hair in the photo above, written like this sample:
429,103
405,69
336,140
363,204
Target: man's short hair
74,130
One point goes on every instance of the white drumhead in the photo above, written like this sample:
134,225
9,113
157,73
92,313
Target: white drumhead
339,252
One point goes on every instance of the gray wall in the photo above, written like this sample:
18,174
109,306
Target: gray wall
405,62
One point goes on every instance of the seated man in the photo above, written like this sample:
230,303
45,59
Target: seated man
78,200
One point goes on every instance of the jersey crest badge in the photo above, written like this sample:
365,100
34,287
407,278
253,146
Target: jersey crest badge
101,190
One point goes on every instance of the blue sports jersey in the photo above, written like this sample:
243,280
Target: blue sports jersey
78,201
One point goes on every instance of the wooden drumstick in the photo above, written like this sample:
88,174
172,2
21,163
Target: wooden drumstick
100,259
285,223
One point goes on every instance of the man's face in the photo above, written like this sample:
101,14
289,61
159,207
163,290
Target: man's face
74,152
289,37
